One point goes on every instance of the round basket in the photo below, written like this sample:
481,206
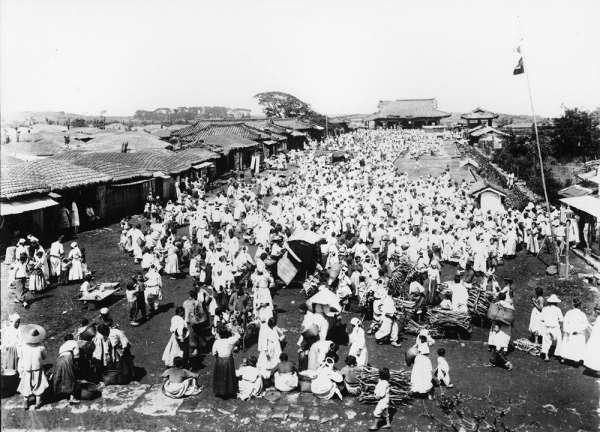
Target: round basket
110,377
305,383
499,313
89,391
410,356
9,382
89,333
313,331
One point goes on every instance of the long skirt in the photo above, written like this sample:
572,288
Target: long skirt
249,389
591,359
196,335
125,368
33,383
573,347
179,390
286,382
172,350
420,377
37,282
172,266
431,290
75,272
10,358
64,375
225,382
536,326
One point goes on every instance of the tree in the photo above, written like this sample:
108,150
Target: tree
576,134
279,104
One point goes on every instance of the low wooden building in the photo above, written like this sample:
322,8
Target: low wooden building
237,151
407,114
489,196
479,117
30,183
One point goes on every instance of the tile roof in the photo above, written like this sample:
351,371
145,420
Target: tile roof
408,108
292,123
479,114
147,160
197,155
7,160
118,171
485,130
236,129
228,142
575,191
46,175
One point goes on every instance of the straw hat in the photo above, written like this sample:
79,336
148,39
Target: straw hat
32,333
553,299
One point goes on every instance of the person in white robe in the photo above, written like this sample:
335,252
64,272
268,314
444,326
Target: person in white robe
75,272
269,345
358,345
420,377
251,379
324,386
575,324
591,358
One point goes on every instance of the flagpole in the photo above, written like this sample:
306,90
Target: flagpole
539,151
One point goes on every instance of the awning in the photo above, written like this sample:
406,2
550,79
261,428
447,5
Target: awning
160,174
24,205
203,165
318,127
270,142
131,183
297,133
587,204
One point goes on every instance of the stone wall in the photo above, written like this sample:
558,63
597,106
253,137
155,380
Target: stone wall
519,196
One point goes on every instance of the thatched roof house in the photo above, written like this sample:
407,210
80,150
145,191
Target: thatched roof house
30,150
137,141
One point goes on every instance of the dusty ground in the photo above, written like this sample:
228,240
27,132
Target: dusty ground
553,396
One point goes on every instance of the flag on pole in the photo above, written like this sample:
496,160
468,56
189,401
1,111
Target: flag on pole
520,68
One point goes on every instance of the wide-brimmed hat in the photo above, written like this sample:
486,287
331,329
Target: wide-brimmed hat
553,299
32,333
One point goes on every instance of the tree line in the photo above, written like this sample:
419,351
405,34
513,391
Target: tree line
574,137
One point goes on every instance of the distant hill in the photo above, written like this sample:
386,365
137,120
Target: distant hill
55,117
503,119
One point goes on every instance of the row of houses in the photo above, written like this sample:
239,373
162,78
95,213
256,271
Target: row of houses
113,171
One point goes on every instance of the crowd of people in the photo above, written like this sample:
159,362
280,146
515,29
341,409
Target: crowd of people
370,217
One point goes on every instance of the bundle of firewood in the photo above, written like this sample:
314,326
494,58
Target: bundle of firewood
415,328
528,346
404,270
400,393
479,301
442,319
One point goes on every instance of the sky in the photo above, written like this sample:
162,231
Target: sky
342,57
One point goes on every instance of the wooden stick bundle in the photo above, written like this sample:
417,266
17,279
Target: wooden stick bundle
400,393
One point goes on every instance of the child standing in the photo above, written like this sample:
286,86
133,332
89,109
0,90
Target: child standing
382,391
63,279
442,372
132,304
